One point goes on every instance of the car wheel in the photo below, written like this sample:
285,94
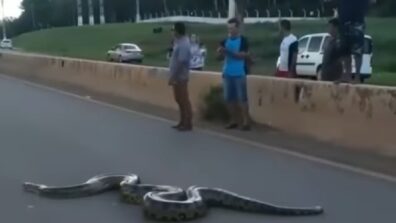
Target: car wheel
119,59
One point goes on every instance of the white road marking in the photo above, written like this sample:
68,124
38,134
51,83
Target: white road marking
280,150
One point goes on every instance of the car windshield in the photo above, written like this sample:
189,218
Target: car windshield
130,47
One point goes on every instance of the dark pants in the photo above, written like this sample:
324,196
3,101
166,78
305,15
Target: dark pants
180,92
351,39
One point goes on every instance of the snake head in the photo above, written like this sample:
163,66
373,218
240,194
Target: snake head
33,188
319,209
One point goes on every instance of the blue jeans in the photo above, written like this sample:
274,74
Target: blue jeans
235,89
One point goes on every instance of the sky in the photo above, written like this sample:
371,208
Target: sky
12,8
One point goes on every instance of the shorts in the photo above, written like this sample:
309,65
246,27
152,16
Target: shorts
235,89
197,69
283,74
351,40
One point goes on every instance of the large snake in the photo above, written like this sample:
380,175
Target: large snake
168,203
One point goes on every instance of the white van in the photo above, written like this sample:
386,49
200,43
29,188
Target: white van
310,56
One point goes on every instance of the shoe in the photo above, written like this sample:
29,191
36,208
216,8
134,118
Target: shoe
246,128
185,128
232,126
177,126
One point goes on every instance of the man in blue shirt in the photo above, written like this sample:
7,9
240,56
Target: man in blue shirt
235,49
351,15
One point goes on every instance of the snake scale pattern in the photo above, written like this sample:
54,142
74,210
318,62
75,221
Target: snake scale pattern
167,203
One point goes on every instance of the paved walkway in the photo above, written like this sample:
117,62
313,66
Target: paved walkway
52,138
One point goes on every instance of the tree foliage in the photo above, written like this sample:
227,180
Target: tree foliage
39,14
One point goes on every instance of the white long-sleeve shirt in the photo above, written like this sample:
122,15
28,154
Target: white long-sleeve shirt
198,56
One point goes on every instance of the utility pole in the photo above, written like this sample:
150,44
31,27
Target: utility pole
137,11
4,22
165,3
80,21
231,9
32,11
102,12
91,13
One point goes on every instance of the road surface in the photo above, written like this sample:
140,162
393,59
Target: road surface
52,138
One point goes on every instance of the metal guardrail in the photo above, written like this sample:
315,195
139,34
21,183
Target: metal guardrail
211,20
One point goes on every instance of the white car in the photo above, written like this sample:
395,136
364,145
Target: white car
125,52
6,44
310,56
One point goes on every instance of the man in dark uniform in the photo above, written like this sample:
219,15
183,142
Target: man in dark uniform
331,64
352,14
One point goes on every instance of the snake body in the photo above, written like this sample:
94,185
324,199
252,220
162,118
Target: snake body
168,203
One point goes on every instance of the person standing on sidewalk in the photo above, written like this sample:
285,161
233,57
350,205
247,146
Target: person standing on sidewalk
288,52
332,65
198,54
179,75
351,14
235,51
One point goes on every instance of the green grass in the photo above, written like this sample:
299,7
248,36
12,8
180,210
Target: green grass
93,42
385,79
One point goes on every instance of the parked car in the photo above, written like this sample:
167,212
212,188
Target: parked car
6,44
310,56
125,52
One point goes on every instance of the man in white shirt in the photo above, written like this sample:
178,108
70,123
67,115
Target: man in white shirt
287,61
198,54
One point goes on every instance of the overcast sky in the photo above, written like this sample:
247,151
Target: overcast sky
12,8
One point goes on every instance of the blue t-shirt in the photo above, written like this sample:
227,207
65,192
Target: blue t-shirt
353,10
233,67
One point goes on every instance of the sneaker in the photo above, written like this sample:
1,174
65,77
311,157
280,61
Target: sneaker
232,126
185,128
246,128
177,126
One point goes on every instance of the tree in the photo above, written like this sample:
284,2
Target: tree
166,9
216,4
53,13
240,11
385,8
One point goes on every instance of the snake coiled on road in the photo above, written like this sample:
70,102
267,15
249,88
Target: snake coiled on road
168,203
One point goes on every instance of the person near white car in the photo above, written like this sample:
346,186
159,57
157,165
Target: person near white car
351,14
198,54
288,52
332,65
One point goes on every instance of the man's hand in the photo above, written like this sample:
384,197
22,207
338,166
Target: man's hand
237,55
220,53
221,50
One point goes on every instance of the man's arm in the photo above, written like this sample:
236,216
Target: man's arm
239,55
183,58
294,53
221,50
244,51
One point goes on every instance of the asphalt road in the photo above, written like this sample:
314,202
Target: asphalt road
51,138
